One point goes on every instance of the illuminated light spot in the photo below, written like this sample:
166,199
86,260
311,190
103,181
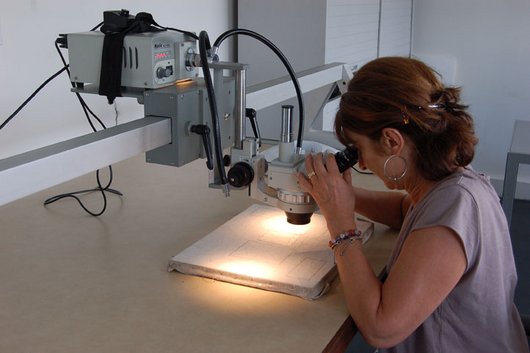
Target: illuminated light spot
279,225
247,268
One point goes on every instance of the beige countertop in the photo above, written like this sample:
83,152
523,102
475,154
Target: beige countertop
70,282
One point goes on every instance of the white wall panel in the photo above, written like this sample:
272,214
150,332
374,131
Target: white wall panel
352,31
395,30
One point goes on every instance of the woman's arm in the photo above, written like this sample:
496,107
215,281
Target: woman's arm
430,264
386,207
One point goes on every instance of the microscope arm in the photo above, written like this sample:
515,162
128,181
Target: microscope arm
36,170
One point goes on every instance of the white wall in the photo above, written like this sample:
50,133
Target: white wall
28,29
483,46
348,31
278,20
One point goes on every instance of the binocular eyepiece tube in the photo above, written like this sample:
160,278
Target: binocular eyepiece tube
346,158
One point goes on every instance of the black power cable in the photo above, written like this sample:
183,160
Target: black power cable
204,47
87,111
99,187
189,34
285,62
32,96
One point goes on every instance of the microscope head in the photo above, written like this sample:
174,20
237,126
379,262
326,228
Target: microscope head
345,159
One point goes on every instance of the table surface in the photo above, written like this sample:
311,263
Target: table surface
75,283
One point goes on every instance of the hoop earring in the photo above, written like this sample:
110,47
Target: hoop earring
385,168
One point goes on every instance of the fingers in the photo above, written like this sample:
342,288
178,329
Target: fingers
325,164
331,163
309,163
347,175
319,165
304,182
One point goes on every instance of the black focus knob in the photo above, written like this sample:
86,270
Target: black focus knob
163,72
227,160
240,175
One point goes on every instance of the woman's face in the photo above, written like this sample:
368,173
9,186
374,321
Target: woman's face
368,150
371,156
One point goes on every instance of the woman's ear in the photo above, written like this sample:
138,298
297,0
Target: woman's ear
392,140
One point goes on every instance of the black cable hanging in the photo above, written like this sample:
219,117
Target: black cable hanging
99,187
32,96
88,112
285,62
204,47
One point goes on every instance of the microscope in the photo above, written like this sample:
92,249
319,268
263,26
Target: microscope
160,68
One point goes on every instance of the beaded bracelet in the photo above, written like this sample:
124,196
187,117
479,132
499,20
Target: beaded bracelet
350,234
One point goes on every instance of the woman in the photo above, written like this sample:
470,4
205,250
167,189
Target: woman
451,276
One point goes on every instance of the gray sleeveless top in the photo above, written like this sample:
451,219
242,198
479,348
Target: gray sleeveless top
479,314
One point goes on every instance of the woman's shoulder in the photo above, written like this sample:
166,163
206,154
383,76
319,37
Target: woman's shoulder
459,199
469,182
456,185
456,199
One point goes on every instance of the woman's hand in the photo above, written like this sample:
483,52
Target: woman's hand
332,191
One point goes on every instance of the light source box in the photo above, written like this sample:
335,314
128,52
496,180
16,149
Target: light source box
258,248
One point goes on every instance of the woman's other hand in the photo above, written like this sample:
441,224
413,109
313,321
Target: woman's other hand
331,190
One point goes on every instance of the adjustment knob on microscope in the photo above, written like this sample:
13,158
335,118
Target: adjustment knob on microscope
163,72
240,175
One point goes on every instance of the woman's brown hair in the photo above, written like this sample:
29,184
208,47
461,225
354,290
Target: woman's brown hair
407,95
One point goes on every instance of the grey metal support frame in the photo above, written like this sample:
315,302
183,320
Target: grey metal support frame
36,170
519,153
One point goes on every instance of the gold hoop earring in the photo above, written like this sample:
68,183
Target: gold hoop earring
385,168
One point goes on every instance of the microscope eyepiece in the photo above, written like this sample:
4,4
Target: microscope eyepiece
346,158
